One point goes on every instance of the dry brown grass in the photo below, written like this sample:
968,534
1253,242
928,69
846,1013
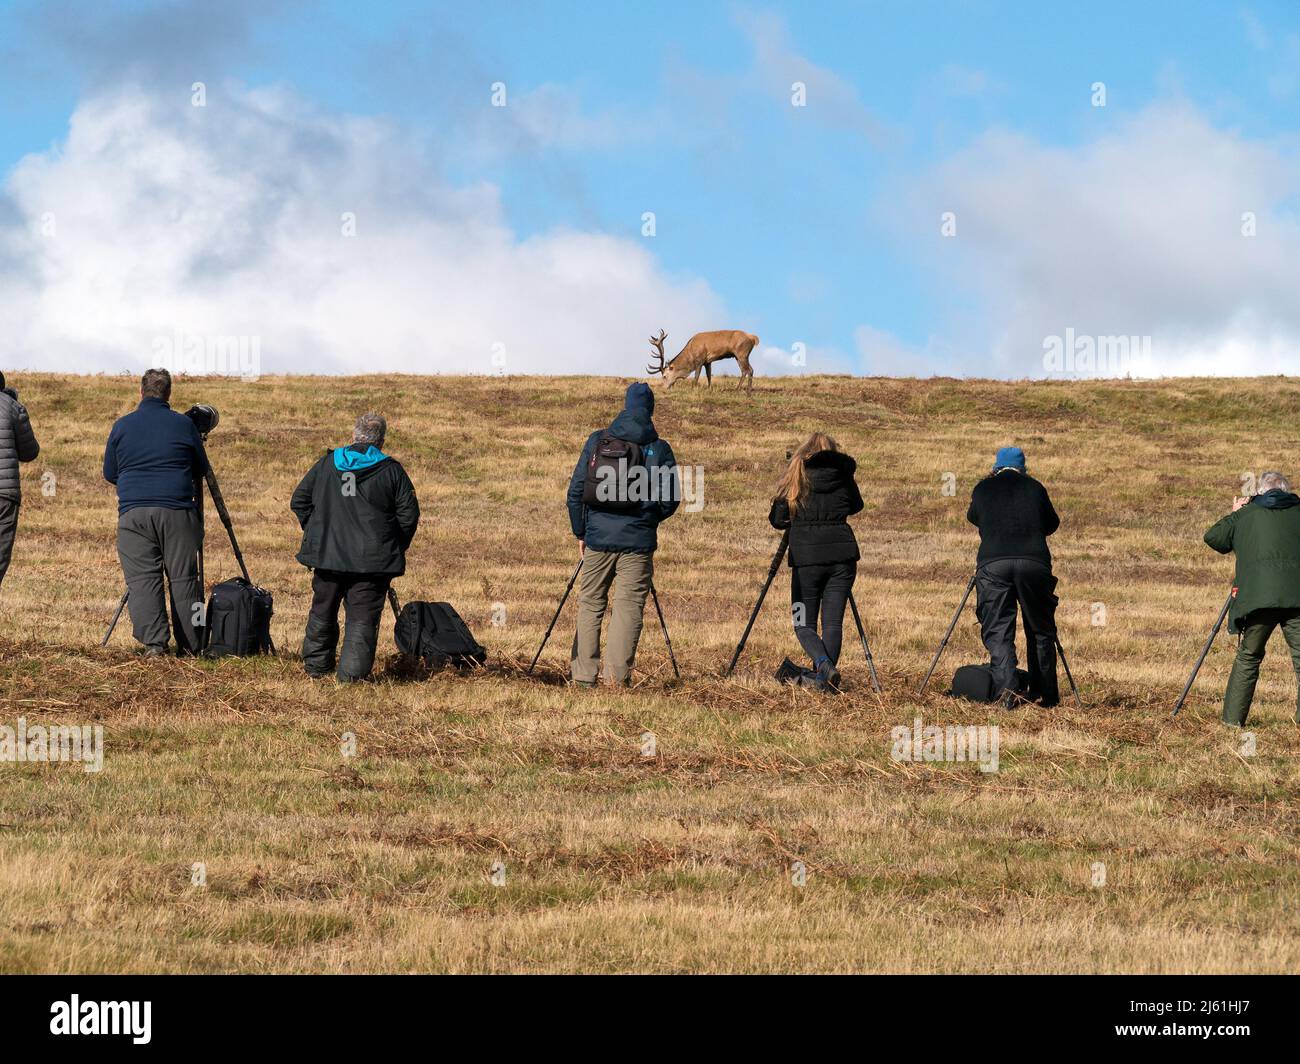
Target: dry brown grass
615,862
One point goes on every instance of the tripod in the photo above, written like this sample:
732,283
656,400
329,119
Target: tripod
753,616
1227,605
220,503
1029,649
565,598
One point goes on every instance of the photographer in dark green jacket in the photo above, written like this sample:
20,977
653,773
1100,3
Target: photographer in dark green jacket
1264,533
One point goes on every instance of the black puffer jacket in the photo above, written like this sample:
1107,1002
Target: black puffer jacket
358,519
819,531
17,443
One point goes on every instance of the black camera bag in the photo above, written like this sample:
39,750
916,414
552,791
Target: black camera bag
238,620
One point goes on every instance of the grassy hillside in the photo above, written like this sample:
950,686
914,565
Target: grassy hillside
615,861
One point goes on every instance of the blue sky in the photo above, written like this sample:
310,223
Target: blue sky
817,225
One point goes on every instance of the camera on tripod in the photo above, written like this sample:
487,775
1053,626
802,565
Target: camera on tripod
205,418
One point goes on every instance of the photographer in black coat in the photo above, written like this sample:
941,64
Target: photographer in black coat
358,514
1014,567
814,500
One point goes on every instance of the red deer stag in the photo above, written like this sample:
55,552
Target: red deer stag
701,351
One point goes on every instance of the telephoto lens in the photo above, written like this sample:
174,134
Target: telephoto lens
205,417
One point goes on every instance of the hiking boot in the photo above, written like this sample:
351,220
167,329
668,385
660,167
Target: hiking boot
586,685
1009,700
153,650
827,677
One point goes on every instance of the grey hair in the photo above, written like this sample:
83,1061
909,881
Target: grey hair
1272,479
370,429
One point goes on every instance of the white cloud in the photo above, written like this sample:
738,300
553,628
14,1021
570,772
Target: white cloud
1135,233
777,66
225,220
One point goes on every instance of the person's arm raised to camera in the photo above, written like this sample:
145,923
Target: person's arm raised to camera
110,456
24,438
1051,519
665,508
578,512
856,504
407,508
779,515
1219,536
200,458
301,501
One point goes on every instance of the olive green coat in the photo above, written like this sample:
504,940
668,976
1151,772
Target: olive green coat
1265,536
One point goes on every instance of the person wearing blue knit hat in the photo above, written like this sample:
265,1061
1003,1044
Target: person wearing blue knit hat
1015,516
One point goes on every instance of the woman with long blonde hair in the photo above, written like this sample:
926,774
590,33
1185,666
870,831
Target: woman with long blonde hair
814,500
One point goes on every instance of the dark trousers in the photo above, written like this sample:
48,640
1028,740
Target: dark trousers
153,542
824,590
8,530
362,597
1001,586
1256,627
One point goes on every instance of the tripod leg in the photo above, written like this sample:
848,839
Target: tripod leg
871,665
113,623
392,601
1204,651
771,575
655,595
220,503
198,503
947,635
1061,650
563,599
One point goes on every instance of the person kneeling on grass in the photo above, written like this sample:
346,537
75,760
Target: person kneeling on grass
615,519
1264,533
814,500
358,514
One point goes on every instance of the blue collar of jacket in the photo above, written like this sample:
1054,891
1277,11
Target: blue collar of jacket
350,460
152,401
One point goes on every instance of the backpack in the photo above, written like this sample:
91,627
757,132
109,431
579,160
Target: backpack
238,620
976,684
619,457
434,633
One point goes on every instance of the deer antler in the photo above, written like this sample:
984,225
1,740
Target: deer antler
658,343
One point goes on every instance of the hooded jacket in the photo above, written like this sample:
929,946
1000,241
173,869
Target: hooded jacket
634,532
1014,515
154,457
819,529
17,443
358,512
1265,536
